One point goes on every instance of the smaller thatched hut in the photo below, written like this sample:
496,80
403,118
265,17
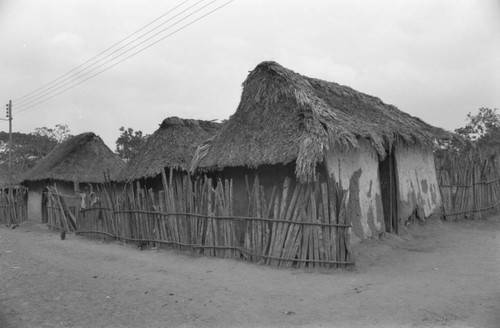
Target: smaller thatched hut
80,160
170,147
291,125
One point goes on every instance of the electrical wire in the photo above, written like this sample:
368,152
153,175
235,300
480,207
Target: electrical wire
54,89
102,52
123,59
72,73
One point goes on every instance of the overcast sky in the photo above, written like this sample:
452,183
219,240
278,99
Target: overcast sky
435,59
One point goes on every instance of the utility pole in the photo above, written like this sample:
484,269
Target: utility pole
10,196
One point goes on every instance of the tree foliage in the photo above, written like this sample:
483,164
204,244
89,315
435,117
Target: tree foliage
59,133
482,129
481,134
129,143
29,148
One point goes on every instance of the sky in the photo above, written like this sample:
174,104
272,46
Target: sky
434,59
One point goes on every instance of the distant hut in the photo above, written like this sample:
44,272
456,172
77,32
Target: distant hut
172,146
290,125
71,166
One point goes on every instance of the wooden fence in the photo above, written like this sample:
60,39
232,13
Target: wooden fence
60,209
16,203
293,225
470,185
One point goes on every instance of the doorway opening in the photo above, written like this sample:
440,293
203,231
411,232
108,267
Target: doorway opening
389,190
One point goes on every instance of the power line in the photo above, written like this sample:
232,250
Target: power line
54,89
128,57
78,69
102,52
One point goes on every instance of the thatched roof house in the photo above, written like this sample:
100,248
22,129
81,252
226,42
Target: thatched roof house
287,117
171,146
308,126
82,158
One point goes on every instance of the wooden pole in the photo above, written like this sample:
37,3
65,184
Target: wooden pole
9,116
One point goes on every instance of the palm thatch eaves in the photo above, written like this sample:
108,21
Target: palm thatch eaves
284,116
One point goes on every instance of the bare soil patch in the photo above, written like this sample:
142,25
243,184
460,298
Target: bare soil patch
438,274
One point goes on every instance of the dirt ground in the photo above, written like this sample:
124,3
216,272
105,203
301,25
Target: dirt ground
439,274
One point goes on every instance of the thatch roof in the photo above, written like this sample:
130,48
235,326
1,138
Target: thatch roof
82,158
284,117
171,146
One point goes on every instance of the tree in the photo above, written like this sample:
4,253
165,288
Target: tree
481,134
60,133
482,129
129,143
29,148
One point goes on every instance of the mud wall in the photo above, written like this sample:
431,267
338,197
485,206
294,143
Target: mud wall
35,201
357,171
35,190
417,182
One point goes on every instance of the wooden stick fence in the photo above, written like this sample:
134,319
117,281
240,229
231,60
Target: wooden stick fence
60,215
290,225
470,187
17,203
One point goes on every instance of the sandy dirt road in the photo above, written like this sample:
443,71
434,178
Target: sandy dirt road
438,275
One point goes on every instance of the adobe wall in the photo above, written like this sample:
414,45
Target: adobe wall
35,201
357,171
35,190
417,182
